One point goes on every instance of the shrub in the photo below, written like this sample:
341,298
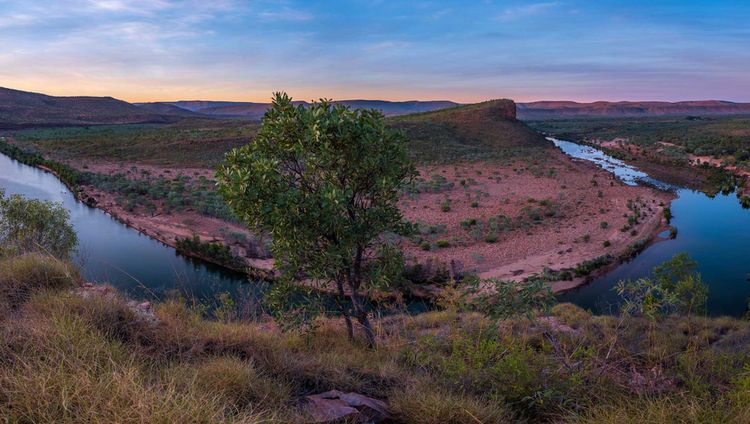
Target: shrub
668,214
587,267
491,238
31,225
443,244
21,276
212,251
603,224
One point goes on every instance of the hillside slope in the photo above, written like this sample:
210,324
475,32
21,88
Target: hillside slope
565,109
167,109
481,130
255,111
25,109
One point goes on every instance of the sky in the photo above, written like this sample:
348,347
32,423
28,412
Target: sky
466,51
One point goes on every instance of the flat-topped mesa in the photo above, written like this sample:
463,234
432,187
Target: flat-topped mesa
495,109
468,132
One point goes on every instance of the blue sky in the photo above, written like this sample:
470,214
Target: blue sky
143,50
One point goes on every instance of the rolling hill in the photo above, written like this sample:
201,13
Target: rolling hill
20,109
255,111
566,109
482,130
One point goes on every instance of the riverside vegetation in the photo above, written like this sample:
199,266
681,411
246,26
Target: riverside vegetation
492,352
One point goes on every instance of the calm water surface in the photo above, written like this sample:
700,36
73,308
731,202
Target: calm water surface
713,231
111,252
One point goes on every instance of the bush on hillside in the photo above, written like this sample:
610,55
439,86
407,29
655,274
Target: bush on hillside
31,225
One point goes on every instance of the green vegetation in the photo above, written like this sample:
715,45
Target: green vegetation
674,289
191,142
30,225
662,146
497,352
67,174
172,194
323,181
443,243
68,358
463,133
587,267
212,251
472,132
706,136
137,190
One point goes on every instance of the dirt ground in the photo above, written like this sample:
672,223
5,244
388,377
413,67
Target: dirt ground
582,208
504,219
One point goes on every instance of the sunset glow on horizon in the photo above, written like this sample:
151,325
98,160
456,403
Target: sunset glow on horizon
166,50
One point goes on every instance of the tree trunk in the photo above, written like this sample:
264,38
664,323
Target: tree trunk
364,321
355,281
345,310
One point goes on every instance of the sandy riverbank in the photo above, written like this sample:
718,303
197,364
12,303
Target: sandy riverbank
579,197
590,209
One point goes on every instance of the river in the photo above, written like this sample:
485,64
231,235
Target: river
715,231
111,252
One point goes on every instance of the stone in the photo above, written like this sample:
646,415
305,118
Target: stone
335,406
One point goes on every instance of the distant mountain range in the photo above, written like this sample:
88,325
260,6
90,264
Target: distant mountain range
565,109
24,109
19,109
255,111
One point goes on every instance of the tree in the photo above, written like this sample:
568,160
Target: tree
323,181
674,289
31,225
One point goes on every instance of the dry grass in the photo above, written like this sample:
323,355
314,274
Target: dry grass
22,275
65,358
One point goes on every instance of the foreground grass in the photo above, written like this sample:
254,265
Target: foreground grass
65,357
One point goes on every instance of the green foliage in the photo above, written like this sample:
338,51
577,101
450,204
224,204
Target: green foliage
190,142
675,288
68,175
468,133
668,214
212,251
174,194
31,225
633,249
587,267
503,299
323,181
